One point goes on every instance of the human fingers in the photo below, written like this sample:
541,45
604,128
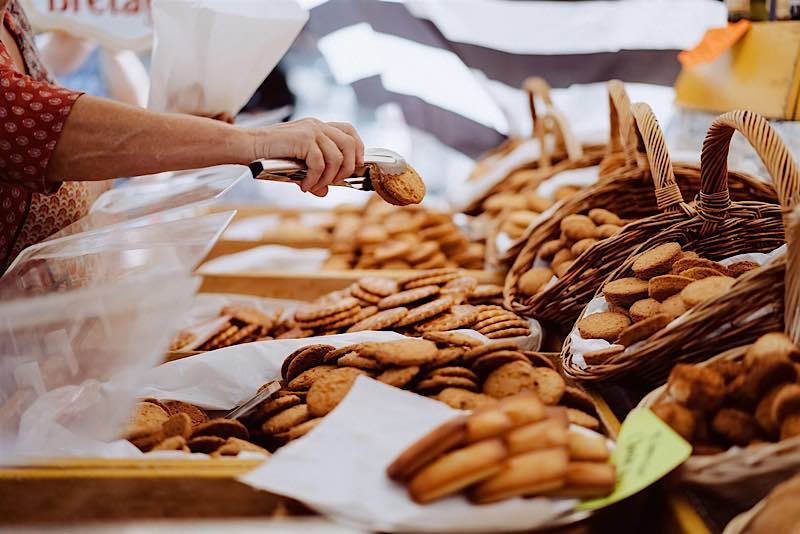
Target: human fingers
333,163
347,146
348,128
315,165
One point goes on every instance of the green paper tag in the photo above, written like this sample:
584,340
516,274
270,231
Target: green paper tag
646,450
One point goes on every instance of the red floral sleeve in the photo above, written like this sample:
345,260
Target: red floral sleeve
32,116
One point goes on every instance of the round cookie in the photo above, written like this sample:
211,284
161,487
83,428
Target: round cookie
461,399
407,297
426,311
327,392
423,252
305,379
603,325
709,288
271,406
532,281
382,287
313,312
598,357
400,353
459,316
643,329
689,262
196,414
510,379
577,417
656,261
549,385
398,376
362,314
577,227
380,320
308,357
509,332
625,291
664,286
452,338
283,421
642,309
222,428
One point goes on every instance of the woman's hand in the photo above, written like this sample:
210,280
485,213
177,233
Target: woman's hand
330,150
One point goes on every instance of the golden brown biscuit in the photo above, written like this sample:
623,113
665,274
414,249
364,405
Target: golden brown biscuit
398,376
577,227
306,358
352,359
179,424
400,353
698,273
474,353
205,444
587,480
681,419
461,399
271,406
379,321
548,385
196,414
313,312
656,261
602,216
298,431
432,445
561,269
173,443
233,446
452,339
531,473
487,363
562,256
549,249
685,263
407,297
399,189
698,388
625,291
582,246
382,287
360,294
532,281
598,357
304,380
604,231
642,309
587,448
509,379
459,316
740,267
146,415
575,397
580,418
426,311
603,325
539,435
664,286
643,329
774,343
673,306
735,426
328,391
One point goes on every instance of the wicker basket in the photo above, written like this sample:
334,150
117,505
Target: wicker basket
717,229
768,509
630,192
559,149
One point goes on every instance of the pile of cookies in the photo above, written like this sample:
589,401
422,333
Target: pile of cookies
667,283
180,426
434,300
736,402
516,448
451,367
411,237
578,234
242,324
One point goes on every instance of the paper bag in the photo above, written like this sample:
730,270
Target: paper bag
211,55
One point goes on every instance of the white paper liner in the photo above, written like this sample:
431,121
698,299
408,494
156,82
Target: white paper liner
580,346
268,258
339,469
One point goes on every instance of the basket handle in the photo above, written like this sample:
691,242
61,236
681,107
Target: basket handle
649,135
553,121
791,299
714,194
622,138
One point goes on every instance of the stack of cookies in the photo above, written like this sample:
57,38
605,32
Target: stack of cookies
450,367
439,299
578,234
411,237
243,324
667,282
516,448
736,402
180,426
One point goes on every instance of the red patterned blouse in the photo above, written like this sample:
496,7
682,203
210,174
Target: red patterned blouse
32,114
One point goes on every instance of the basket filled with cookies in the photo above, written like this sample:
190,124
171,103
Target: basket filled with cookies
562,260
713,280
741,412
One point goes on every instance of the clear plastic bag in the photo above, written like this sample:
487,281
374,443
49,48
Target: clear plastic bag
112,254
149,200
71,363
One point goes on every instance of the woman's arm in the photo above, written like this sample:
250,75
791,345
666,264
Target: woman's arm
102,139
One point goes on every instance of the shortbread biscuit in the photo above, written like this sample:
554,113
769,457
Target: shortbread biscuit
362,314
548,385
503,325
698,273
603,325
642,309
179,424
308,357
656,261
352,359
382,287
486,291
601,216
379,321
673,306
360,294
402,352
562,256
587,480
481,350
531,473
205,444
283,421
587,448
539,435
457,470
532,281
487,363
312,312
233,446
304,380
426,311
577,227
433,385
196,414
221,428
580,418
625,291
431,280
706,289
461,399
604,231
398,376
549,249
582,246
407,297
601,356
509,332
643,329
459,316
664,286
509,379
329,390
686,263
444,438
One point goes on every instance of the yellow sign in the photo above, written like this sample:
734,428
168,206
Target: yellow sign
646,450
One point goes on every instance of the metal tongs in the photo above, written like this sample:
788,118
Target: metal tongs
377,162
248,406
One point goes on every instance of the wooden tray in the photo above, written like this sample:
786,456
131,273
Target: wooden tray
306,286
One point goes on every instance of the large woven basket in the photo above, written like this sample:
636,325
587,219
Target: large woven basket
770,508
632,192
559,149
716,229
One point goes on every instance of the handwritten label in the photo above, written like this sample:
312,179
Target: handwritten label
647,449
